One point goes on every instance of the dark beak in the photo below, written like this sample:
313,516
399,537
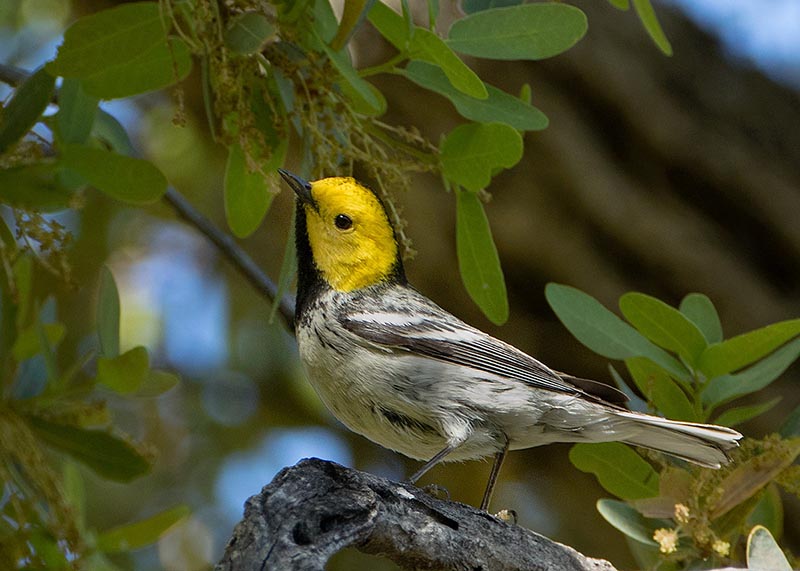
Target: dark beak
300,187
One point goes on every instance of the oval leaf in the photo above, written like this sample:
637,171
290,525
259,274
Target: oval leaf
131,180
247,32
618,468
106,454
742,350
35,186
125,373
478,261
472,153
108,314
29,343
701,311
352,16
603,332
160,66
107,39
725,388
26,106
499,106
648,18
76,112
427,46
627,520
764,553
738,415
663,325
528,31
247,194
665,395
144,532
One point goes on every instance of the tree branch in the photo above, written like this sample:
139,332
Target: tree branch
316,508
226,245
235,255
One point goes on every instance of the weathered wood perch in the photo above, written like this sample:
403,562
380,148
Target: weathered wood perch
316,508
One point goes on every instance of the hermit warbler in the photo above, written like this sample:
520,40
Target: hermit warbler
398,369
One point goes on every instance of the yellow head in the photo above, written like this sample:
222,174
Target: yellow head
352,241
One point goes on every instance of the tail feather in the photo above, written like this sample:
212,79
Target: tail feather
703,444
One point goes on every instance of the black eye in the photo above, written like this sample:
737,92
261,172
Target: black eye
343,222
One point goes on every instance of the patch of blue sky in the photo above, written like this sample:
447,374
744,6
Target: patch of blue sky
766,33
245,473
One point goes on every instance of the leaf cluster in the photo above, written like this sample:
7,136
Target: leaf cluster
53,408
681,366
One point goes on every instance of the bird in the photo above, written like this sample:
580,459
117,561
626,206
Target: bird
396,368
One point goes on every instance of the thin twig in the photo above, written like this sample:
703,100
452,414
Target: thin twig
224,242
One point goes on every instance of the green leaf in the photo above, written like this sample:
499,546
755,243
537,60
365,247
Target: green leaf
125,178
620,4
28,342
764,553
738,415
352,16
23,279
247,32
603,332
34,187
742,350
478,261
424,45
390,25
768,511
472,6
528,31
107,129
472,153
144,532
247,194
124,373
156,383
627,520
660,389
75,493
108,39
663,325
791,425
25,107
108,314
358,90
161,66
648,17
618,468
76,112
106,454
701,311
46,349
725,388
428,47
498,107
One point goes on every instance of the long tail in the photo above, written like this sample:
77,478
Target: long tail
704,444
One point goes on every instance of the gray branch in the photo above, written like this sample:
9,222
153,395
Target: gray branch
314,509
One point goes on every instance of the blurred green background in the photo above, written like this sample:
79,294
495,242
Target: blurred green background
663,175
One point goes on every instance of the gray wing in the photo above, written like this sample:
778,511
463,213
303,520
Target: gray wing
439,335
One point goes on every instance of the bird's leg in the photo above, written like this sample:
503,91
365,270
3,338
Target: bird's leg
498,463
431,463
